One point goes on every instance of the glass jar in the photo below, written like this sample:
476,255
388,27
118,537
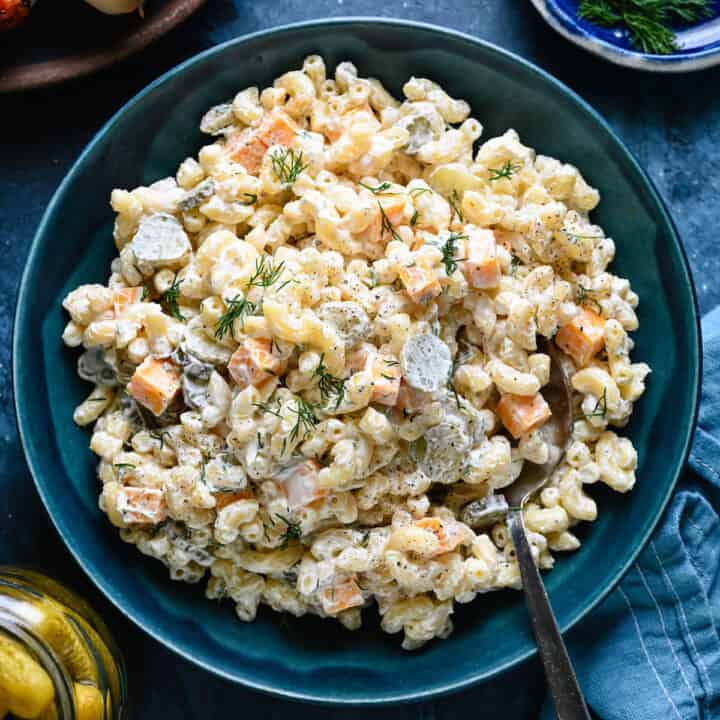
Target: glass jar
57,658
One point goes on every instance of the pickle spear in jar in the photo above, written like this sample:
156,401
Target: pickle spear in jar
89,703
25,687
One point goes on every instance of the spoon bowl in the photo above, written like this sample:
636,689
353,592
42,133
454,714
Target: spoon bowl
556,431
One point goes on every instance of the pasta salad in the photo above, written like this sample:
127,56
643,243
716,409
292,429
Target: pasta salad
315,361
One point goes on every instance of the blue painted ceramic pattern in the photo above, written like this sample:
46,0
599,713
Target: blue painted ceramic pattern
699,44
309,658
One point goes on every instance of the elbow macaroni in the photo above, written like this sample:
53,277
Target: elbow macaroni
319,343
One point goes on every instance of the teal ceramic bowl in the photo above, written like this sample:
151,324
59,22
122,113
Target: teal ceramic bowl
308,658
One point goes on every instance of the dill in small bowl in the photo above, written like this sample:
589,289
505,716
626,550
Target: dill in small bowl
650,24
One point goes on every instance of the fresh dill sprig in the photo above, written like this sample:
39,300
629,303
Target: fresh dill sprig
505,172
329,385
449,250
293,530
414,218
238,308
306,419
145,293
265,407
419,191
378,189
170,298
387,226
454,201
251,199
159,436
600,409
287,165
123,466
586,296
265,274
648,22
515,263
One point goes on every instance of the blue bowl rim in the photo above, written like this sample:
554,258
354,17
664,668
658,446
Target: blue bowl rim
23,299
572,30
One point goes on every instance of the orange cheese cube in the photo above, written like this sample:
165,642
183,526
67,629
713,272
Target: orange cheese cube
124,297
394,207
155,384
522,413
372,233
246,148
385,370
481,267
142,506
223,499
356,359
341,596
254,362
277,129
299,483
410,400
448,532
583,337
386,380
420,283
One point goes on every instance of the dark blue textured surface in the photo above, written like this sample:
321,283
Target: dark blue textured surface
671,123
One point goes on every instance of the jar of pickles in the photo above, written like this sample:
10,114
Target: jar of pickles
57,659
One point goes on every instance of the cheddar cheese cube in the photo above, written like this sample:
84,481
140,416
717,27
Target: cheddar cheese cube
246,148
254,362
277,129
357,358
386,375
448,533
410,400
155,384
481,266
299,482
394,207
583,337
223,499
341,596
124,297
420,283
521,414
141,506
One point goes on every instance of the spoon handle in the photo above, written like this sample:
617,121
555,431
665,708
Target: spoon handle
564,688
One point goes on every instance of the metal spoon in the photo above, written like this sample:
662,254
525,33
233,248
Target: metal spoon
566,693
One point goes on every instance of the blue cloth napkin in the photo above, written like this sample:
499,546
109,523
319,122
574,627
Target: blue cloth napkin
651,651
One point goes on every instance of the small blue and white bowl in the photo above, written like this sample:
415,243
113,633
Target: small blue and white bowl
698,45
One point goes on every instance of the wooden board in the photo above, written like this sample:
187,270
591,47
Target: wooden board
64,39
